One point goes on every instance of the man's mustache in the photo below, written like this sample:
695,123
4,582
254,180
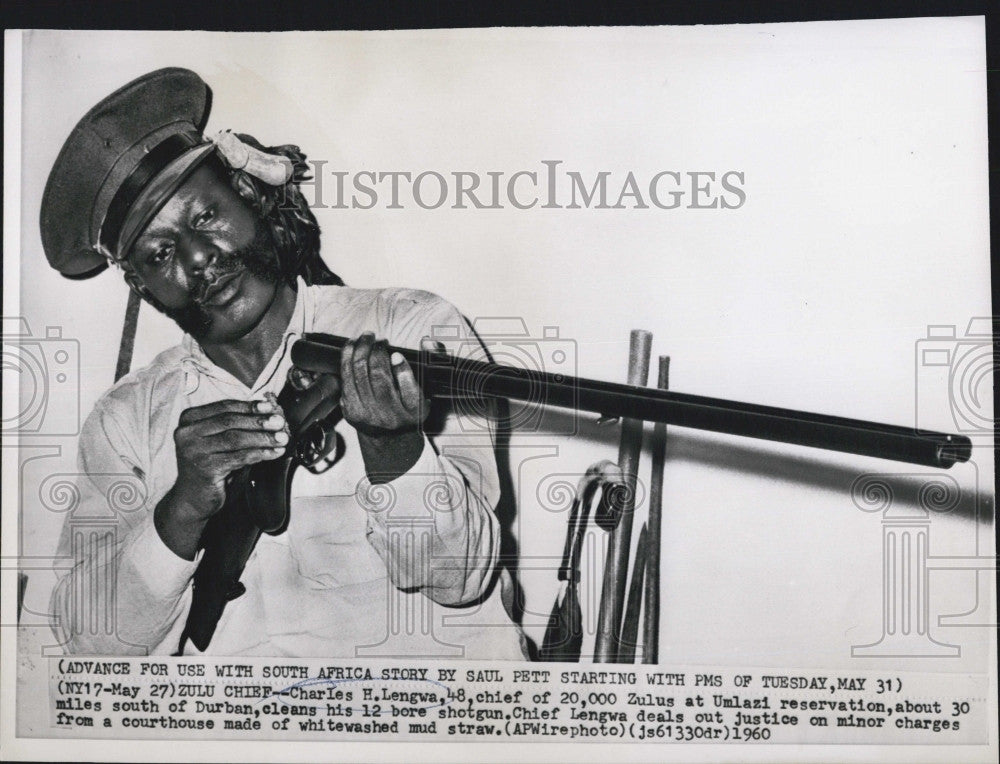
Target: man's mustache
224,265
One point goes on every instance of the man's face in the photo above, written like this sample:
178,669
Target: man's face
209,260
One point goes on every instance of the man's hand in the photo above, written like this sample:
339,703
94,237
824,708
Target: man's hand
211,442
380,397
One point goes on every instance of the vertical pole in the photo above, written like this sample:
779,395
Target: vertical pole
616,567
651,624
633,606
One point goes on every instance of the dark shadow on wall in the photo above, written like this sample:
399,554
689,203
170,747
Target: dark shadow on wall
895,484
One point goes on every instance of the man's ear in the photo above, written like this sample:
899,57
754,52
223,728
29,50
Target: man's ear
135,284
245,189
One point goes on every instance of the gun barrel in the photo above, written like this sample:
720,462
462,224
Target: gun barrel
442,375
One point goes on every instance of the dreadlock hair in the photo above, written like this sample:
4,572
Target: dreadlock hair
285,213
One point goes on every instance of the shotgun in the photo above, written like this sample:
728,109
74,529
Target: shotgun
441,375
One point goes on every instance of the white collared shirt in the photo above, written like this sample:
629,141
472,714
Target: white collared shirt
362,570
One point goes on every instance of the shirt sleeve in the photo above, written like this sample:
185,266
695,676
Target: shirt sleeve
435,527
125,588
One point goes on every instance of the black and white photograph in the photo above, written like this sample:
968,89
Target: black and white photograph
432,394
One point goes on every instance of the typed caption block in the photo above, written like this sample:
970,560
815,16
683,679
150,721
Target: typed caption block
265,699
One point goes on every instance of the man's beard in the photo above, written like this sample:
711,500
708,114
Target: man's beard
257,258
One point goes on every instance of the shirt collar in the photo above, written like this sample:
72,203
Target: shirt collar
299,324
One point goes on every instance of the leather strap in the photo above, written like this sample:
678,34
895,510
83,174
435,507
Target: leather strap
128,335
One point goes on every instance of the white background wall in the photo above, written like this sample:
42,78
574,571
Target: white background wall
864,151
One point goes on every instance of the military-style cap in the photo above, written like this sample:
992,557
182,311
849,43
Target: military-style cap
119,166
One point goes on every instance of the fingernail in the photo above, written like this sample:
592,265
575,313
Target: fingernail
264,406
281,437
397,359
275,422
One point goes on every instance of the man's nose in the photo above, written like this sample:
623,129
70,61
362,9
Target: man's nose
198,253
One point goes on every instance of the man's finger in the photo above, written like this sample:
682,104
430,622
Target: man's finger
381,376
325,386
431,345
238,422
349,387
197,413
240,440
301,379
360,367
409,391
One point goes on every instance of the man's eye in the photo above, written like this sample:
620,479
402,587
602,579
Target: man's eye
160,254
205,216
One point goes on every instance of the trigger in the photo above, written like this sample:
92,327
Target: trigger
300,379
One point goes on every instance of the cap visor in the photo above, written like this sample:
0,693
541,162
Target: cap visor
157,192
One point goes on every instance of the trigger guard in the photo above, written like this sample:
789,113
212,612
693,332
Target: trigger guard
330,458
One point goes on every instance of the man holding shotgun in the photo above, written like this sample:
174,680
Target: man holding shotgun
216,234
